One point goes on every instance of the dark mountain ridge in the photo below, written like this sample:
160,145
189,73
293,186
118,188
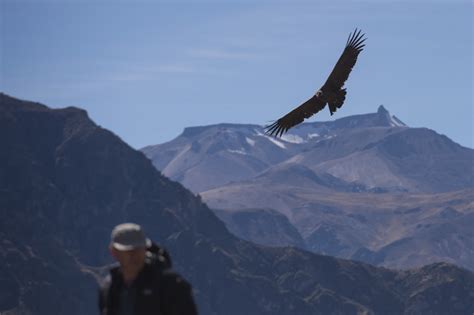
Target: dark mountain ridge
65,182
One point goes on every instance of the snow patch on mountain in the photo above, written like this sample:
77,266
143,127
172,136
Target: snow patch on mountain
250,141
278,143
395,122
241,151
292,138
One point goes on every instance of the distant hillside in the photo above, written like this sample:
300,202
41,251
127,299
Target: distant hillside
207,157
65,182
336,183
377,151
268,226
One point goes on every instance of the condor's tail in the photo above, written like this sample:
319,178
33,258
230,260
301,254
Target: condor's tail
337,101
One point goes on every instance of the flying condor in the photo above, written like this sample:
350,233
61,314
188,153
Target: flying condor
330,93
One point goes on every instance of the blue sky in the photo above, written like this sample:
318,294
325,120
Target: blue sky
148,69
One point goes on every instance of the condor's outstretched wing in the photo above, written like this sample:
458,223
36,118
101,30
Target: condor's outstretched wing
333,84
296,116
346,62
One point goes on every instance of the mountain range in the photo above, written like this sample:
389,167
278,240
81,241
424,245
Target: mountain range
65,182
365,187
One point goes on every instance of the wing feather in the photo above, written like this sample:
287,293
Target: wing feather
343,67
295,117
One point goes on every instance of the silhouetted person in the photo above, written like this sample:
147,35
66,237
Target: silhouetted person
142,283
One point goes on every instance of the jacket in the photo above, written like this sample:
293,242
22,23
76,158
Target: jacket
158,292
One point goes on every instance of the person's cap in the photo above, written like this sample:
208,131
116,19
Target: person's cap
128,236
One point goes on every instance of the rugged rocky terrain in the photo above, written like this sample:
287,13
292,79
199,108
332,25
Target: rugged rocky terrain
375,151
268,226
366,187
65,182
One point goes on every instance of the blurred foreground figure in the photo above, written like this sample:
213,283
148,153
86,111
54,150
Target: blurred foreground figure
142,283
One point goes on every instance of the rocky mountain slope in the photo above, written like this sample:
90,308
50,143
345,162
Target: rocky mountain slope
336,182
65,182
376,150
268,226
206,157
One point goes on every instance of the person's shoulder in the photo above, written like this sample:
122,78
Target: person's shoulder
172,279
178,292
171,274
167,277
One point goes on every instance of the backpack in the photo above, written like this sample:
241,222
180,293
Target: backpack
175,293
161,256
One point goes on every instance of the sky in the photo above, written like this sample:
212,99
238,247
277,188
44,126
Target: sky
147,69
